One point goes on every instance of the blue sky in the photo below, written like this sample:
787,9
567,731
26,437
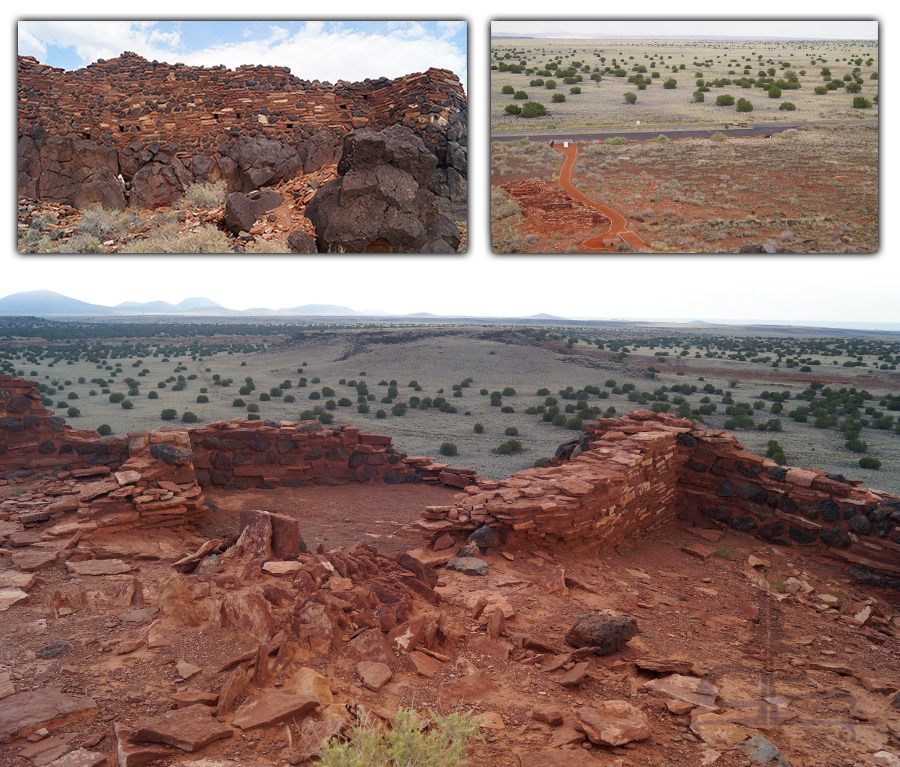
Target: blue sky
314,50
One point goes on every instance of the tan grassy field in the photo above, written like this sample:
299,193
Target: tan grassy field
495,359
701,195
602,103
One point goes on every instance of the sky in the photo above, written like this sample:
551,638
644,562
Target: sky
376,48
810,29
799,289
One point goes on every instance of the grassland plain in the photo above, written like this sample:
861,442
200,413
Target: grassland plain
812,189
721,65
722,374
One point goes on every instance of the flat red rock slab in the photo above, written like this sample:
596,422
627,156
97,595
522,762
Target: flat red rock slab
185,699
188,729
31,561
613,723
271,707
81,758
373,675
552,758
485,646
424,665
699,550
25,712
467,689
99,567
575,675
549,713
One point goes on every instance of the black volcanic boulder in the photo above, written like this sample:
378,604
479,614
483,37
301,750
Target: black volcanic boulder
320,150
264,162
242,210
382,201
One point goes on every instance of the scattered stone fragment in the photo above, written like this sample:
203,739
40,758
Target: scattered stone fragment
174,599
491,720
10,579
134,754
99,567
271,707
718,732
680,707
129,645
30,561
7,688
188,729
468,689
282,568
762,751
42,750
81,758
373,675
468,565
566,736
608,633
423,664
25,712
549,713
573,677
10,597
684,688
185,699
54,650
186,670
485,646
554,758
612,723
699,550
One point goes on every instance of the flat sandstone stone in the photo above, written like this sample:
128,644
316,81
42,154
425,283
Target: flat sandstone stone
188,729
99,567
613,723
25,712
271,707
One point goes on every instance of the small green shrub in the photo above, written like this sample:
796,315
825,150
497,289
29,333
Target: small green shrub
168,414
511,431
202,399
618,140
860,102
479,428
507,89
744,106
448,449
188,417
558,98
532,109
630,98
724,100
253,407
513,109
869,463
206,195
73,412
508,447
670,84
520,95
787,106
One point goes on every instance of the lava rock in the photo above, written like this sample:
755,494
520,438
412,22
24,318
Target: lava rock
608,633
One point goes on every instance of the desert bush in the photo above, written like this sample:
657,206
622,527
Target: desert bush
188,417
869,463
860,102
127,404
406,743
576,90
744,106
508,392
447,448
718,137
724,100
507,89
153,395
513,109
630,98
103,222
856,446
207,239
558,98
698,97
854,87
479,428
670,84
550,84
511,431
206,195
253,407
521,95
73,412
820,90
510,446
168,414
533,109
774,92
661,139
787,106
104,430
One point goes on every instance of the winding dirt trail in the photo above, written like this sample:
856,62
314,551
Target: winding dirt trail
618,225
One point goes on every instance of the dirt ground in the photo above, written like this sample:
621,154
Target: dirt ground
751,642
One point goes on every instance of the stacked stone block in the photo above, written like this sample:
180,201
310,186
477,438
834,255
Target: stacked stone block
33,439
637,473
240,454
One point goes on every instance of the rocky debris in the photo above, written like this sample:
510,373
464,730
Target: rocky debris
606,633
301,242
373,675
468,565
718,732
54,650
273,706
10,596
557,758
762,751
99,567
382,201
612,723
697,692
549,713
242,210
467,689
24,712
81,758
188,729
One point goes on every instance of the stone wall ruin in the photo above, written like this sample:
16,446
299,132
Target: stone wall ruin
164,126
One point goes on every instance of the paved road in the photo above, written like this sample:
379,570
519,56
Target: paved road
674,131
618,225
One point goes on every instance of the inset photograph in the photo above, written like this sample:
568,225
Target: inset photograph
242,137
684,137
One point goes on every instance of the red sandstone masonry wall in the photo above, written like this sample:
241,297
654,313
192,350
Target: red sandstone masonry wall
623,485
34,439
239,454
118,101
640,471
